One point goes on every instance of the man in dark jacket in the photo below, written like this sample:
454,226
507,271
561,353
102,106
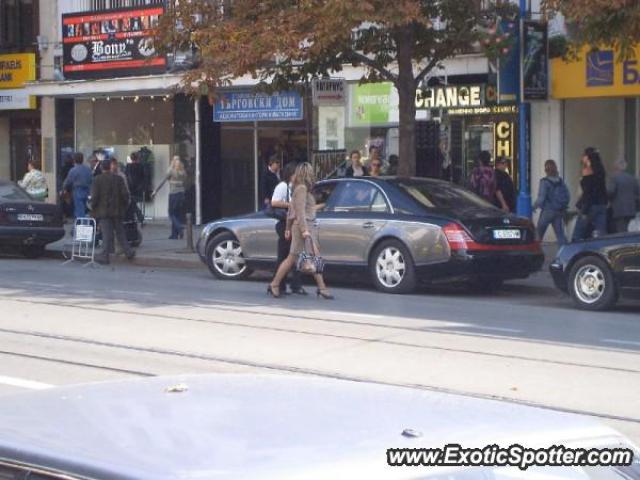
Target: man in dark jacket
505,189
270,180
109,202
624,194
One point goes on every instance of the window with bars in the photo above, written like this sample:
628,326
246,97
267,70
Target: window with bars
116,4
69,6
18,25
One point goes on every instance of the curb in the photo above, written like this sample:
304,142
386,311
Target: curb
157,261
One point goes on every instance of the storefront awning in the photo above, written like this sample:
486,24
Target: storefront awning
147,85
163,84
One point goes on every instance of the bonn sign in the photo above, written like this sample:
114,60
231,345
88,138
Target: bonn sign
111,44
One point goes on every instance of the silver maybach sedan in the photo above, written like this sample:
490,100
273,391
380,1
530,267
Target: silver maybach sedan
398,230
279,427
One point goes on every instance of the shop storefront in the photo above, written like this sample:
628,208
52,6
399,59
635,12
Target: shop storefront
361,117
599,107
453,124
493,129
19,117
252,128
156,127
120,100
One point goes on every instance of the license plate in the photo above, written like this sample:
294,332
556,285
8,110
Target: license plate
30,217
506,234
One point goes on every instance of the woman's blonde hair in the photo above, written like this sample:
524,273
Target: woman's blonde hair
305,175
176,165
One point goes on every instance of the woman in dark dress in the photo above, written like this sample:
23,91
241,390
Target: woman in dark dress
592,206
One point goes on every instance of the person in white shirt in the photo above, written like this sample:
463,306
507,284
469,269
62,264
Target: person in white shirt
34,182
280,202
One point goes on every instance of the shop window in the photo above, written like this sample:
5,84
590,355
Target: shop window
120,126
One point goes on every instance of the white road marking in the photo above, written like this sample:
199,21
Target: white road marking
350,314
22,383
621,342
495,329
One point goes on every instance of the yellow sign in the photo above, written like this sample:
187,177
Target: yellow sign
596,74
16,69
504,139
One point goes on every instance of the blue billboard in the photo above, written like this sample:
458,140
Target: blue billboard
509,64
250,106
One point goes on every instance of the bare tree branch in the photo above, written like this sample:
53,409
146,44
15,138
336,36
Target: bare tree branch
372,64
430,66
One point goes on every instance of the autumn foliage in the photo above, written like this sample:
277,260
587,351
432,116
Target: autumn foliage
601,22
285,43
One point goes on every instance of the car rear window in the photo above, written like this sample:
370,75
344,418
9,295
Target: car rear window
443,196
12,193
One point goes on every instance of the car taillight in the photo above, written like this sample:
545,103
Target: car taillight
457,237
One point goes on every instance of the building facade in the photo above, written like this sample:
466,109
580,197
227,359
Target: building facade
94,101
595,103
20,135
102,89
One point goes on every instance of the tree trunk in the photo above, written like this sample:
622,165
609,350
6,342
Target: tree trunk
407,150
406,87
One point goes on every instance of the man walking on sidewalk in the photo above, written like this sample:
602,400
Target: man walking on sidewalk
109,201
78,181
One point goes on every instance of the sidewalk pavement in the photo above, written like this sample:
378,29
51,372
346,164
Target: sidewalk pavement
158,251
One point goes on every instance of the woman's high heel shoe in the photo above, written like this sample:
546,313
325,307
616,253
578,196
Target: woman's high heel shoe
324,293
274,291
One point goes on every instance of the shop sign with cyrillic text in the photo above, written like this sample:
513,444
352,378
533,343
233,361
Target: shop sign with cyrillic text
251,106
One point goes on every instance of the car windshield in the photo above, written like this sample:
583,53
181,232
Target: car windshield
11,193
435,195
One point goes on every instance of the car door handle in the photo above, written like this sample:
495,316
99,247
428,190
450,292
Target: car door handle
368,225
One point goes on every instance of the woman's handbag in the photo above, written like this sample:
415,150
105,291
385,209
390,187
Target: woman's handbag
309,261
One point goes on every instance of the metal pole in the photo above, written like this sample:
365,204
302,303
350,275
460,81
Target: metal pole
196,108
256,166
524,196
189,232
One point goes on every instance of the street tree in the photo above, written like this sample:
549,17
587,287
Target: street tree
286,43
601,22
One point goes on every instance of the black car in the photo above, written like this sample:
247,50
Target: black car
398,230
596,272
27,223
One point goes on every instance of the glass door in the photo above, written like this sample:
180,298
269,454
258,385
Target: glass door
477,139
238,172
25,145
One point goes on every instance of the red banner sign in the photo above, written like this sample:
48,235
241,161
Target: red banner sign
111,44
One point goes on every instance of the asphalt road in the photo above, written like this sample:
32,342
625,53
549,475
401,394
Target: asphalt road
67,324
